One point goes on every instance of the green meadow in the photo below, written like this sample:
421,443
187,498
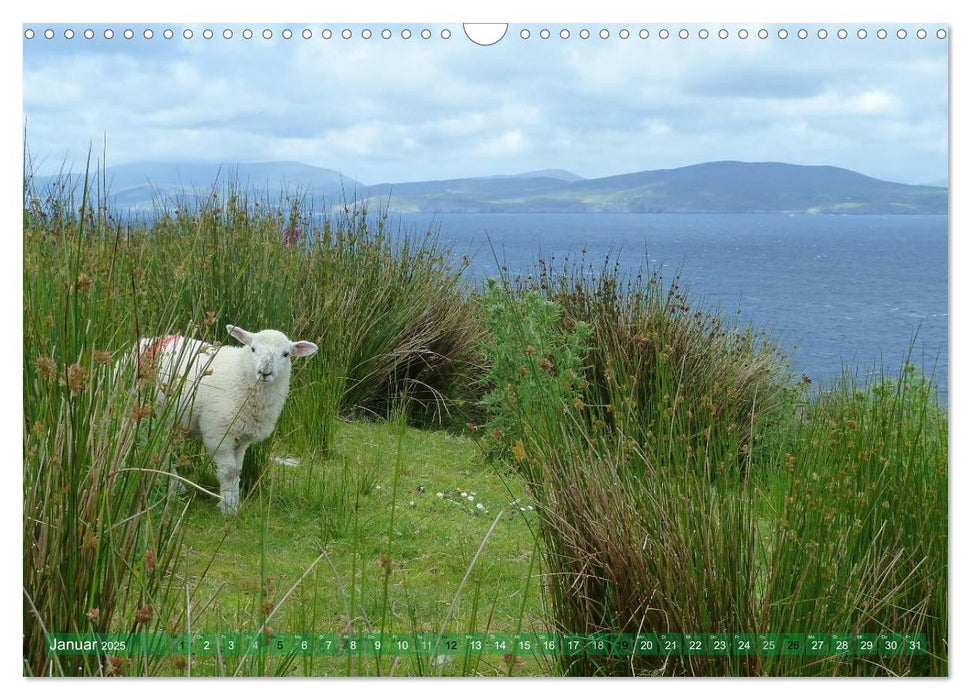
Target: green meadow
567,452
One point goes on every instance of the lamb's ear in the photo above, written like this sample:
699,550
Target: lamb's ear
303,348
243,336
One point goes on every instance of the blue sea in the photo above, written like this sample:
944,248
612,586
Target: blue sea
833,292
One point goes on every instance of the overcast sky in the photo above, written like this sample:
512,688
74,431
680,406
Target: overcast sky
396,110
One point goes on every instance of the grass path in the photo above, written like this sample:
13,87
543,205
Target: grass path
281,529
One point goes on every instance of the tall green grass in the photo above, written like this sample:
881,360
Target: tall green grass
687,484
101,538
100,533
684,481
858,522
668,375
385,307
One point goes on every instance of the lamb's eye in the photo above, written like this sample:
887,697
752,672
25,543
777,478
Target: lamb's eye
286,354
253,349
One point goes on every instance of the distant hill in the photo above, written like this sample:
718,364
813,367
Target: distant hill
555,173
717,187
140,186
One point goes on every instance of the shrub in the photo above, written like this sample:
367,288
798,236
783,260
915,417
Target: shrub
535,367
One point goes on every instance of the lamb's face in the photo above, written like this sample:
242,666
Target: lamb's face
271,352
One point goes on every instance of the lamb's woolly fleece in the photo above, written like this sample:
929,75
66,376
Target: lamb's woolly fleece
230,396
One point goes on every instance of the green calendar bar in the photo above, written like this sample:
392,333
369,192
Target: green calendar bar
432,643
204,644
150,644
89,644
229,643
425,642
180,643
740,644
352,644
451,644
252,643
375,643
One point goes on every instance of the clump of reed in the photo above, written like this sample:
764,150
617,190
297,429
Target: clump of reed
100,536
858,522
687,483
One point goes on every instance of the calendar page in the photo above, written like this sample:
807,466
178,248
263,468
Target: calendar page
417,349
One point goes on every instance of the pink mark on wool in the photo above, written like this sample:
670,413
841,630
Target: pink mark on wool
149,353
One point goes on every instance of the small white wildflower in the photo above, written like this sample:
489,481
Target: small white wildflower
464,494
480,506
378,487
529,507
411,503
471,498
521,508
440,494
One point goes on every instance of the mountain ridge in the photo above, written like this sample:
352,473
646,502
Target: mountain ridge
709,187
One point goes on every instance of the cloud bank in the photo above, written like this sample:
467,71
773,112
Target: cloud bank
383,110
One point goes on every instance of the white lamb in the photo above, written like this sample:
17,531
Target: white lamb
230,396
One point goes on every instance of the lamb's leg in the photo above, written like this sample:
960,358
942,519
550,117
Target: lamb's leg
176,487
240,453
223,454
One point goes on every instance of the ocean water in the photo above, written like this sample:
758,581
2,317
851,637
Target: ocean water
834,292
